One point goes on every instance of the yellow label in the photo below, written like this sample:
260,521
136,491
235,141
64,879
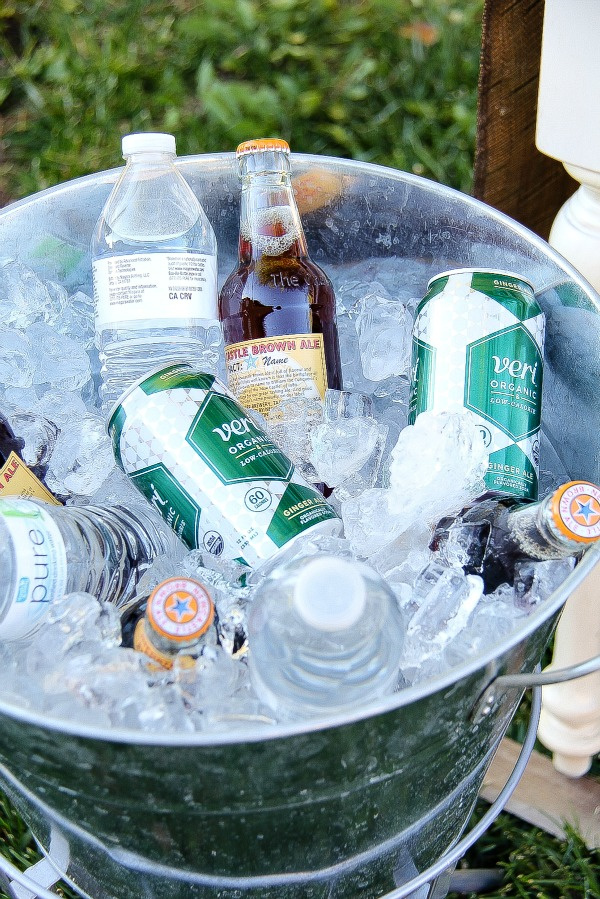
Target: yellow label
17,480
264,373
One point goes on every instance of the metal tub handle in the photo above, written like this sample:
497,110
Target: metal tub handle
488,701
558,676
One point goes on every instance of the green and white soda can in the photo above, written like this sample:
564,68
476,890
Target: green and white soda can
214,476
478,344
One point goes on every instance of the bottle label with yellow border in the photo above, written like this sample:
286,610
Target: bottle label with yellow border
266,372
17,480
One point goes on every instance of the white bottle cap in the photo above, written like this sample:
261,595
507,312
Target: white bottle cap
147,142
330,594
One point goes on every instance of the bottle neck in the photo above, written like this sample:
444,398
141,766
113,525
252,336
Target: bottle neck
533,530
150,158
269,219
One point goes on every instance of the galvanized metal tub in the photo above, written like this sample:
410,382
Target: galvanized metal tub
351,806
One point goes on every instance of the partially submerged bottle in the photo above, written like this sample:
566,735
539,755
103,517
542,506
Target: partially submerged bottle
277,307
48,551
154,268
496,532
17,478
325,634
174,620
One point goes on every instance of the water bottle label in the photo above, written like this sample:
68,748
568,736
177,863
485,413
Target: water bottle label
40,566
155,287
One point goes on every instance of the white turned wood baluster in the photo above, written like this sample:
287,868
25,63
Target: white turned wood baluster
568,129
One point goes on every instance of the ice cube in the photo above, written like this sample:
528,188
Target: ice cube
352,373
59,360
20,398
536,581
384,337
444,600
17,359
60,406
23,296
39,436
369,523
290,424
439,463
351,291
76,319
72,621
346,439
494,618
211,680
82,458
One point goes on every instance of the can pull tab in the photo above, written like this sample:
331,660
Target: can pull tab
490,698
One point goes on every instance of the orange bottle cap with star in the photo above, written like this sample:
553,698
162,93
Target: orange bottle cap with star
180,610
262,145
575,509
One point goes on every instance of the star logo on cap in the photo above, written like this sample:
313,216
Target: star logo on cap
586,510
181,607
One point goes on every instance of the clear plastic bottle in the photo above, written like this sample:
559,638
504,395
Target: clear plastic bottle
47,551
325,633
154,262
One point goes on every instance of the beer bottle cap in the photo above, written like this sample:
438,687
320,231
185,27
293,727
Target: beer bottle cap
180,610
575,510
330,594
261,145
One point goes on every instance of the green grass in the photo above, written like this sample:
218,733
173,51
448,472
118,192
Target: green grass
534,864
387,81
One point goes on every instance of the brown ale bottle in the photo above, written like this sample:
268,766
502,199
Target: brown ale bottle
495,532
277,307
16,479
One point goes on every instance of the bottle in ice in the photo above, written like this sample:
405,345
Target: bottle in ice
325,633
48,551
277,307
496,532
16,478
154,269
174,620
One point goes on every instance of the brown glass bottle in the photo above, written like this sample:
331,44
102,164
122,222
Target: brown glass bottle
277,307
495,532
16,479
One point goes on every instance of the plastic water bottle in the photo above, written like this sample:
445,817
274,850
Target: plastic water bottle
325,633
47,551
154,269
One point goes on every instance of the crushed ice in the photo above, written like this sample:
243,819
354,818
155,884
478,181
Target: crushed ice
391,482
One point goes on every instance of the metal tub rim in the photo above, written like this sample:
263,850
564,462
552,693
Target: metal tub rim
265,733
549,607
